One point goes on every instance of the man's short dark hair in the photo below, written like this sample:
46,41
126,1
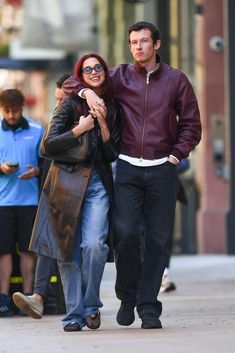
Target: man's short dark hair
61,80
138,26
10,98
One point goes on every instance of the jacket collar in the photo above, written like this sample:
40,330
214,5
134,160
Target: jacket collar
24,125
143,70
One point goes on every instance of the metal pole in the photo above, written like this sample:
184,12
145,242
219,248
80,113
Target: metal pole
231,116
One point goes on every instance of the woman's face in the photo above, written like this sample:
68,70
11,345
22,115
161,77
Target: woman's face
93,73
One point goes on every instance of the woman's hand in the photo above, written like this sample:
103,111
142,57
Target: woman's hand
100,114
98,111
86,123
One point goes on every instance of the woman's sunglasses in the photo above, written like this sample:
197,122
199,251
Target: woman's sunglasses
89,69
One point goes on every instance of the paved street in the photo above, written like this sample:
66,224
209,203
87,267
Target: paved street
199,317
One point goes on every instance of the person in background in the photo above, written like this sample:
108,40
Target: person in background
167,284
72,222
161,125
20,164
33,305
59,93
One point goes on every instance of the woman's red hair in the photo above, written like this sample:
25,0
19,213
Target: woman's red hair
78,71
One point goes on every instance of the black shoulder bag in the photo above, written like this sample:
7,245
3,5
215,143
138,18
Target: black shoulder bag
77,154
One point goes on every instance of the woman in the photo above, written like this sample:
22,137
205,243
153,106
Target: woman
73,222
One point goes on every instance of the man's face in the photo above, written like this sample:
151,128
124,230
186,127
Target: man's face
12,115
59,95
142,47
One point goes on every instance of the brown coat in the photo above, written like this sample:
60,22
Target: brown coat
66,183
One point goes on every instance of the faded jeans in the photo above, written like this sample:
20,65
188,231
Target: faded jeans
81,278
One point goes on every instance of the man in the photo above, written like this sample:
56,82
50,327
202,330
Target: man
20,139
33,305
161,125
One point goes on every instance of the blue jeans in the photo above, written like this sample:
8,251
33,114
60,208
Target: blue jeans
81,278
44,270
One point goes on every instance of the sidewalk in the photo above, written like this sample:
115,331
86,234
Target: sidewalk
199,317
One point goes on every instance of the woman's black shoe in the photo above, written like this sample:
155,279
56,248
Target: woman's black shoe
72,327
93,321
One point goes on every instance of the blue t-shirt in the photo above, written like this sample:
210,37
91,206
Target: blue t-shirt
22,146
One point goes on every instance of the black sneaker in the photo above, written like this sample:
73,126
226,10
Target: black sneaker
126,315
6,308
150,321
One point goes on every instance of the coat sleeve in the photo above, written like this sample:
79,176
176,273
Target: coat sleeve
189,124
112,147
58,136
72,86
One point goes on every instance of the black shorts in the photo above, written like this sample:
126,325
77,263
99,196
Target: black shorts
16,223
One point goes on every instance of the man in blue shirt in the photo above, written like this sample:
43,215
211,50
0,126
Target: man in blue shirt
33,305
20,139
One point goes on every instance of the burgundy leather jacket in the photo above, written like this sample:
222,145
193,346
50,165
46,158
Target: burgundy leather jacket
159,110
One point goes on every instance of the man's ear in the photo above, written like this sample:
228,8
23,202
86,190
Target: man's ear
157,44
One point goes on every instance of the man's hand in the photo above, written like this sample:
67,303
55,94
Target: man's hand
92,99
31,173
173,160
6,169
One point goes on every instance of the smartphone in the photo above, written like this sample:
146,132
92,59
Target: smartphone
13,165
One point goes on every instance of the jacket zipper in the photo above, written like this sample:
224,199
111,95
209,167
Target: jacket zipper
145,115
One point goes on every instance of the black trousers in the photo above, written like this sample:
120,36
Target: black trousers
144,197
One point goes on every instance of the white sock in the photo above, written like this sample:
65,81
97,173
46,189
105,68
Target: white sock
166,272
